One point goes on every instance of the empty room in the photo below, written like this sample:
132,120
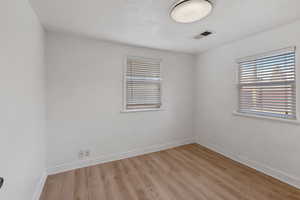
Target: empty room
150,100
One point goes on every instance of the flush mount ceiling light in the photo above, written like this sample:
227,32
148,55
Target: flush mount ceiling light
189,11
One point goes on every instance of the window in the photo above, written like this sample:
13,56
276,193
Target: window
267,84
142,87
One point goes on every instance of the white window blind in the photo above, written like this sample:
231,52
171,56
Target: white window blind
267,84
143,84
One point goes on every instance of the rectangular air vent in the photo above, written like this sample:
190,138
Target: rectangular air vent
202,35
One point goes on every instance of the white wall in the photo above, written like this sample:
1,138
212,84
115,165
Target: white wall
268,145
84,100
22,116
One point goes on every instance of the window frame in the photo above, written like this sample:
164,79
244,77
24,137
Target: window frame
125,66
268,117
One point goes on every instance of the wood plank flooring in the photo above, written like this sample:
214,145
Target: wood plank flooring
189,172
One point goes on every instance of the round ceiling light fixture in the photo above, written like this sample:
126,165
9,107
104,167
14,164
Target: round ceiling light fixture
189,11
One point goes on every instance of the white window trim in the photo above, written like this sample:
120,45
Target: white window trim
290,121
141,110
124,109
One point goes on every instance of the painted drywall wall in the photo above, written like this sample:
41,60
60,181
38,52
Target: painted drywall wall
85,94
269,145
22,116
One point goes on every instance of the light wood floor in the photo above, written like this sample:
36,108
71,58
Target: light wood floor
189,172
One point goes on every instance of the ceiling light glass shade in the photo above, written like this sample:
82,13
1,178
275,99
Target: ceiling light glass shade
191,10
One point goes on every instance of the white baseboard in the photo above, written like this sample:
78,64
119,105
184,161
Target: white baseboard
40,186
282,176
287,178
117,156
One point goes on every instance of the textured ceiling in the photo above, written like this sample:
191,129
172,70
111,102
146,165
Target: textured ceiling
147,22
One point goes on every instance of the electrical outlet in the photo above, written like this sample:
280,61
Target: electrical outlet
81,154
87,153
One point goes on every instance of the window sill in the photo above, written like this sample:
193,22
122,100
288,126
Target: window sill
290,121
142,110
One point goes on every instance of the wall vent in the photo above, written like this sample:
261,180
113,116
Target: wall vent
202,35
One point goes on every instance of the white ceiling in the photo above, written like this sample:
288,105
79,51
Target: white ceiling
147,22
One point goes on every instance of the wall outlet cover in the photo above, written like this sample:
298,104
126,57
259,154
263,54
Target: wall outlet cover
81,154
87,153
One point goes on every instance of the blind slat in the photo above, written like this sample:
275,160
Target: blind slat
277,53
280,62
274,72
263,69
